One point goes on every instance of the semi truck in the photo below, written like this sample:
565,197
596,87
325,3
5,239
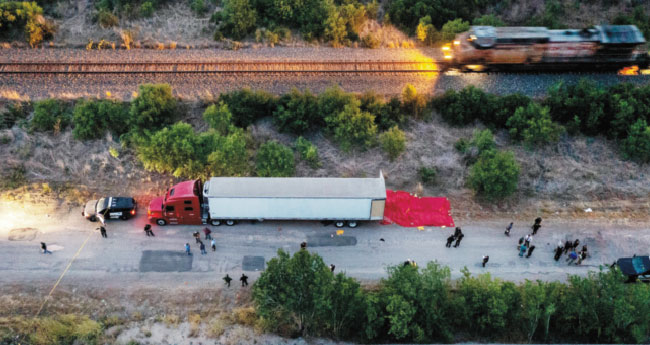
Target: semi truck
227,200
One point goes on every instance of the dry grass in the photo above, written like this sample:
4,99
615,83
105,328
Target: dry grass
195,325
171,320
216,327
244,316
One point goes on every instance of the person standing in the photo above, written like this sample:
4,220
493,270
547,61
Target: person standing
522,250
567,246
528,239
208,233
536,228
303,245
202,247
197,237
530,251
332,267
572,257
44,248
485,259
575,245
508,228
227,279
457,232
213,244
244,280
187,249
558,253
102,230
458,239
450,240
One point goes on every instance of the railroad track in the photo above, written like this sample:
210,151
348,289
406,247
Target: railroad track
224,67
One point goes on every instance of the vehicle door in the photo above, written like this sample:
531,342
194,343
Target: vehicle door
172,215
191,213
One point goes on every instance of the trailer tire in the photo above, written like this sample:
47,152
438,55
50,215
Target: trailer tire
352,224
161,222
339,223
215,222
230,222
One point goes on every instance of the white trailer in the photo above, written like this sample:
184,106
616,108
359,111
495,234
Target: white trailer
342,200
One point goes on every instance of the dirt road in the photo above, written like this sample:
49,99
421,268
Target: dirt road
128,256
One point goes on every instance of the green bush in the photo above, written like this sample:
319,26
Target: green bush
146,9
308,152
218,117
230,155
505,108
25,17
413,103
407,13
488,20
247,106
428,175
393,142
107,19
50,115
91,118
153,108
533,126
387,114
637,145
274,160
453,27
352,127
581,106
427,32
495,175
370,41
462,145
238,18
297,113
333,101
199,7
484,141
15,113
464,107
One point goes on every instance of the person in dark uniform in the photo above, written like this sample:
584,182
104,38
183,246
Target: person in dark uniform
558,253
227,279
102,230
147,230
450,240
508,228
568,245
244,280
530,251
332,267
457,232
303,245
485,259
458,239
536,228
44,247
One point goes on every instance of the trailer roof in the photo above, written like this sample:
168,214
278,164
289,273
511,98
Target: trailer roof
295,187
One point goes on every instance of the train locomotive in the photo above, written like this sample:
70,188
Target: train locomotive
536,48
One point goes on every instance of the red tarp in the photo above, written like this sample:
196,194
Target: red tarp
408,210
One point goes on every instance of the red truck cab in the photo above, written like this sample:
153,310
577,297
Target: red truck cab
182,204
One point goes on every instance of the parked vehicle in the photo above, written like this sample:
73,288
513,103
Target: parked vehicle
635,268
110,208
230,199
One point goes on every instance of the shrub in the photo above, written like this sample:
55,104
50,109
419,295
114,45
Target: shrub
533,125
581,106
333,101
50,115
91,118
505,108
484,141
426,32
370,41
230,156
146,9
218,117
247,106
407,13
308,152
26,17
106,19
393,142
274,160
413,102
488,20
495,175
297,112
462,145
453,27
153,108
637,145
464,107
352,127
238,18
16,113
199,7
428,175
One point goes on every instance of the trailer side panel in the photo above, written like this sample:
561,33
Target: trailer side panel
291,208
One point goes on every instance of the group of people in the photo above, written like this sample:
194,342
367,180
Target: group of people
457,236
197,237
571,248
243,279
525,246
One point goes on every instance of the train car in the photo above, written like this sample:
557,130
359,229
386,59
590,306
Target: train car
601,47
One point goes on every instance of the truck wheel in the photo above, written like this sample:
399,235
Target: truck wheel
352,224
92,219
230,222
339,223
215,222
161,222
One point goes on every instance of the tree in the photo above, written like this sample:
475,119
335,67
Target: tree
230,157
297,112
484,141
308,152
413,102
533,126
453,27
495,175
218,117
248,106
581,106
274,160
488,20
637,144
393,142
352,127
153,108
427,32
345,306
50,115
332,102
464,107
238,18
297,288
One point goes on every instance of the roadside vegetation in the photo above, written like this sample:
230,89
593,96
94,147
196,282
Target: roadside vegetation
298,295
149,127
24,18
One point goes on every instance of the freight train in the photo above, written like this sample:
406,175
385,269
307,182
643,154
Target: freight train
535,48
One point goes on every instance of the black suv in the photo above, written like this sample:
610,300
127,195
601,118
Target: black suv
635,268
110,208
